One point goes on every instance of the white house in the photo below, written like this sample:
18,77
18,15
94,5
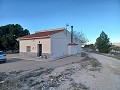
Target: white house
49,44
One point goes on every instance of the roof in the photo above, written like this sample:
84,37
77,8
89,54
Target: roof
45,33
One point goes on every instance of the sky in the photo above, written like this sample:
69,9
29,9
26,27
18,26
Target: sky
89,16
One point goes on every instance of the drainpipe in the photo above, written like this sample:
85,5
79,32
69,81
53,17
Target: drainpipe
71,34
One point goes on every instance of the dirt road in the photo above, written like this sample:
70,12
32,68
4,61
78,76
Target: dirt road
111,72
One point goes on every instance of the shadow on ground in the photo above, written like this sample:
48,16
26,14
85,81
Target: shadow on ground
11,60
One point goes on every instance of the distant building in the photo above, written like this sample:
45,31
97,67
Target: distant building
116,43
49,44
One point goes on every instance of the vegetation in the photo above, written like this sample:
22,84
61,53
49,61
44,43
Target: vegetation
115,48
103,44
8,35
115,52
90,46
81,36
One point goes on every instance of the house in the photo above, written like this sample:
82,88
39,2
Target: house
52,43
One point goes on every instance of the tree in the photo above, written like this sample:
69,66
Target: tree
115,48
102,43
8,35
81,36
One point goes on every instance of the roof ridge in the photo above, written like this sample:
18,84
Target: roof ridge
44,34
56,29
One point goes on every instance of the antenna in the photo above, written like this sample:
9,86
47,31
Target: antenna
66,28
67,25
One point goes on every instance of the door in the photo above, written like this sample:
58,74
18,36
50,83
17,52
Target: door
39,50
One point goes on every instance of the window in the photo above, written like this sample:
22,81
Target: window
28,48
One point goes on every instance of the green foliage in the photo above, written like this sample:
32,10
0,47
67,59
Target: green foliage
81,36
116,48
90,46
8,35
102,43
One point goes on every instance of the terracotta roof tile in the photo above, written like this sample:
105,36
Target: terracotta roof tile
42,33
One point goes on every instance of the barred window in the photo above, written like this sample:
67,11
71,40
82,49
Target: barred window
28,48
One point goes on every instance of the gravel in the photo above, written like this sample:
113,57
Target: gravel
60,77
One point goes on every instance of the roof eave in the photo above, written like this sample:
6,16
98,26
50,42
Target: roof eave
32,38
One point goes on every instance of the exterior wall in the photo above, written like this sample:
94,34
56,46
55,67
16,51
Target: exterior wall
72,49
46,46
59,44
55,46
77,41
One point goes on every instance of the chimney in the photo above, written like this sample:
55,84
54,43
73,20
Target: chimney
71,34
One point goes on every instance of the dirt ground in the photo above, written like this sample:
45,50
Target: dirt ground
70,73
14,64
73,73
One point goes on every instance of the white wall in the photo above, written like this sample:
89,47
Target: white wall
59,44
77,41
46,45
72,49
56,45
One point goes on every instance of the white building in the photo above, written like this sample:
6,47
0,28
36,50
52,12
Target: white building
49,44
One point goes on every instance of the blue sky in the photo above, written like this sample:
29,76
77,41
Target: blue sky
90,16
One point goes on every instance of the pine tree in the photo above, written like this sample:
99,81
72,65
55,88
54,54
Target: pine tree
102,43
